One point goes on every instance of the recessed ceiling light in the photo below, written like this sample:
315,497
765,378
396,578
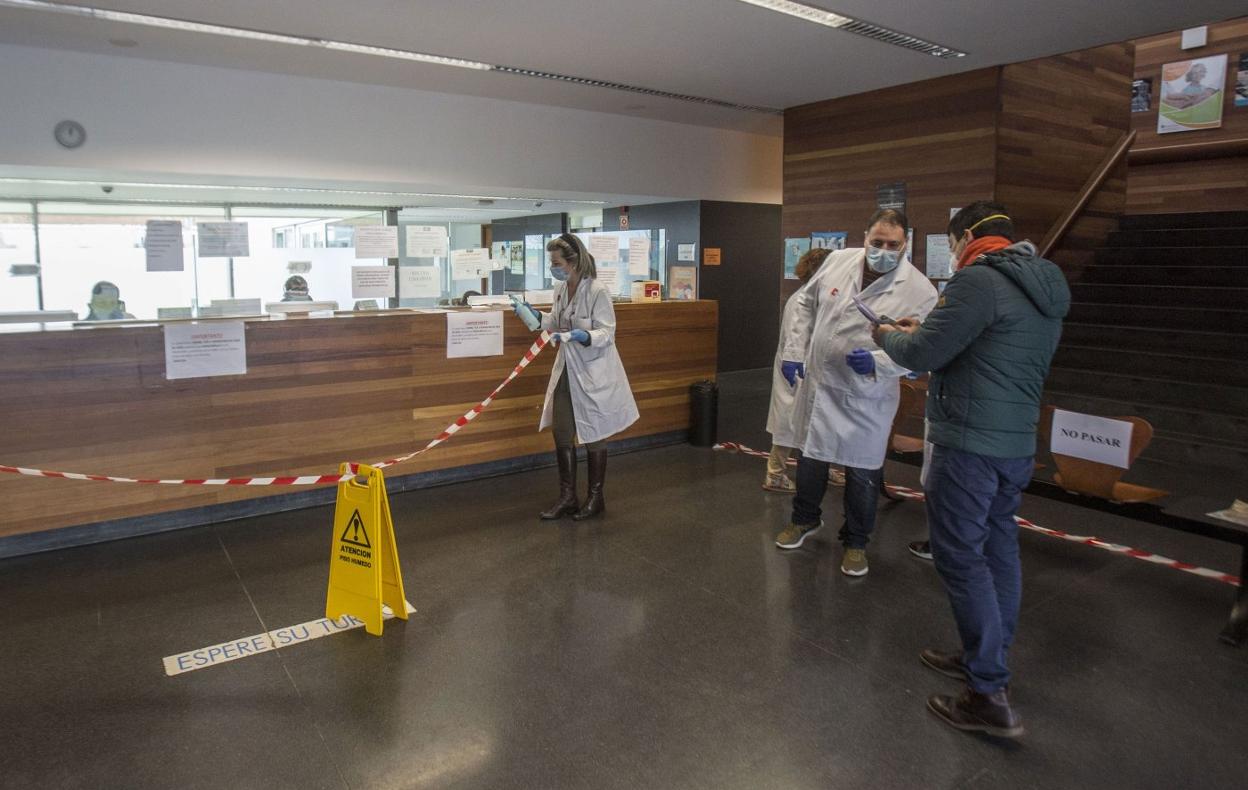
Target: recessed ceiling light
124,43
822,16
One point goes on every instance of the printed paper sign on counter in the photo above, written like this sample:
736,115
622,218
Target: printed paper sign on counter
605,247
470,264
474,334
163,245
426,241
199,350
419,282
1091,438
372,282
639,256
223,240
376,241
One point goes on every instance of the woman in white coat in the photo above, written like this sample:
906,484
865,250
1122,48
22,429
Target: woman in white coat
588,396
780,413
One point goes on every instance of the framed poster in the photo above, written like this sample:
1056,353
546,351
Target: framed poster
1241,82
1191,94
1141,95
794,249
682,283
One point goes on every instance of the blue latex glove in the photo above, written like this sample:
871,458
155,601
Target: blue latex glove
576,335
861,361
792,371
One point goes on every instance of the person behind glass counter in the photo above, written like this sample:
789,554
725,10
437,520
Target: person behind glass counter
588,395
106,304
296,290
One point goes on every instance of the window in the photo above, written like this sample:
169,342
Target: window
19,280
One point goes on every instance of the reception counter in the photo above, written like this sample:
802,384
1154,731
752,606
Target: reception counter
317,392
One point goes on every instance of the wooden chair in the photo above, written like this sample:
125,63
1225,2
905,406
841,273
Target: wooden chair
913,404
1092,478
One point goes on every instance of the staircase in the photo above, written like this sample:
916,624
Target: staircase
1158,328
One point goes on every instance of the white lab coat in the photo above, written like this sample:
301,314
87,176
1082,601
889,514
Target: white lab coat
839,415
601,398
780,413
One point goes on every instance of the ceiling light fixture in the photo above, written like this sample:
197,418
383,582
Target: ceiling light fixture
832,19
296,190
619,86
183,25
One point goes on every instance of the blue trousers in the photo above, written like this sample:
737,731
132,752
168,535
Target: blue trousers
862,494
971,501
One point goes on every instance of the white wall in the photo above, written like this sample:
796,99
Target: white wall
166,118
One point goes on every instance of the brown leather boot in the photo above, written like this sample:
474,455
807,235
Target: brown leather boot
594,503
565,458
975,712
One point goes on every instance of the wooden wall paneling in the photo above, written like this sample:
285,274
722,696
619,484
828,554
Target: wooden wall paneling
1188,185
317,392
1059,117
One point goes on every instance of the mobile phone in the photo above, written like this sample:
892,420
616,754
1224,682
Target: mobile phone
869,314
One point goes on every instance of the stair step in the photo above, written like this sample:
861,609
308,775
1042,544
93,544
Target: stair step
1180,318
1192,424
1213,398
1193,237
1214,345
1173,256
1162,296
1210,219
1197,276
1169,367
1190,452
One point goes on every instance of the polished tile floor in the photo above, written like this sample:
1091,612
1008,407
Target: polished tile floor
669,645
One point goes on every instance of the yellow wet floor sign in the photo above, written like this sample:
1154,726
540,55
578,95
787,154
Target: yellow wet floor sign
364,562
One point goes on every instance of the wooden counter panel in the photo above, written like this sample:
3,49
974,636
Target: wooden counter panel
317,392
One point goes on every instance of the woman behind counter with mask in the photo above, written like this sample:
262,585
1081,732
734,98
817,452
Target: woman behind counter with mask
588,395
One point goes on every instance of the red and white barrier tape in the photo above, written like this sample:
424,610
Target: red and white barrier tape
308,480
1138,554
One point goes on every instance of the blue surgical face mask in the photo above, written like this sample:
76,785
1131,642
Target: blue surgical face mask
881,260
559,273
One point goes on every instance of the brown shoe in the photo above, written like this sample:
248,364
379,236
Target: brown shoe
975,712
595,504
948,664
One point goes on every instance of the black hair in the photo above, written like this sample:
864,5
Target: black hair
972,218
889,216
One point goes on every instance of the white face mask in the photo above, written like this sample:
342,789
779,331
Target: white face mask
882,261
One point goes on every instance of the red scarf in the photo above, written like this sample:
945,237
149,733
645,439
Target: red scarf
981,246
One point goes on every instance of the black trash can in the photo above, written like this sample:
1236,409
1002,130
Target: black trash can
703,413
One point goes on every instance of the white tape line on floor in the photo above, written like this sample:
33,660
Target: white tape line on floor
276,639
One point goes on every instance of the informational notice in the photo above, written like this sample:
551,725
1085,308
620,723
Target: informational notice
376,241
163,245
223,240
372,282
605,247
939,262
1091,438
474,334
711,256
419,282
639,256
426,241
609,276
687,253
200,350
470,264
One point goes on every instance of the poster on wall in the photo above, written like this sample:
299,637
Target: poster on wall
1241,82
939,259
517,258
794,249
828,240
891,196
1141,95
682,283
1191,95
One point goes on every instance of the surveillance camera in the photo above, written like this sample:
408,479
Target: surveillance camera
538,204
107,190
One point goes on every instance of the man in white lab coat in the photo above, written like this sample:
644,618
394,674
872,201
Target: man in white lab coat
847,390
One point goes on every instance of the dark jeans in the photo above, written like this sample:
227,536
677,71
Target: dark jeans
862,494
971,501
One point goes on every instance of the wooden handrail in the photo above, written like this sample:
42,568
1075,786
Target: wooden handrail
1059,229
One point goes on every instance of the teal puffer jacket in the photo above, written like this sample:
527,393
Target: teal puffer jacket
988,344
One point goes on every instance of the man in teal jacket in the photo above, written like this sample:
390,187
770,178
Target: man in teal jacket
988,344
